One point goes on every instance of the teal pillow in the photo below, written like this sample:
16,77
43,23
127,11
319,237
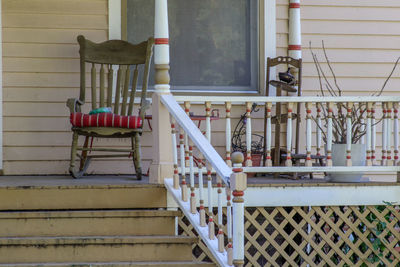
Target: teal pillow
100,110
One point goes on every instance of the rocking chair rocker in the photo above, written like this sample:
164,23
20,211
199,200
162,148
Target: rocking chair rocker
112,107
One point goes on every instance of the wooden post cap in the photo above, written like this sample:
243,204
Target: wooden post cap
237,157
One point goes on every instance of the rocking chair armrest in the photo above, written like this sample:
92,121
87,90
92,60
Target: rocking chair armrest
74,105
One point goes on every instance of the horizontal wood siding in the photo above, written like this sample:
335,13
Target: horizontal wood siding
362,40
41,70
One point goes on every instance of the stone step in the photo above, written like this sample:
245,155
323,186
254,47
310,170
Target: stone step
77,196
114,264
95,249
87,223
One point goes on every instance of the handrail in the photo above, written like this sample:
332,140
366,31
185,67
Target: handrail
198,138
288,99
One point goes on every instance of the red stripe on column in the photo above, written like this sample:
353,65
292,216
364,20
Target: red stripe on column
294,5
294,47
161,41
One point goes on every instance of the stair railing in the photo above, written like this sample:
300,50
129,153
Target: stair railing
234,180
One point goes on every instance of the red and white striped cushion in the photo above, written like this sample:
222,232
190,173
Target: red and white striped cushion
105,120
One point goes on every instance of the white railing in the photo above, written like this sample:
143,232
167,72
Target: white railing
320,114
193,206
375,116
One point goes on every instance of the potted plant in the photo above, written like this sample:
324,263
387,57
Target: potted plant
330,87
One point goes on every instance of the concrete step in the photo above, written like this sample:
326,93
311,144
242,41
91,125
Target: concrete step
87,223
115,264
76,196
95,249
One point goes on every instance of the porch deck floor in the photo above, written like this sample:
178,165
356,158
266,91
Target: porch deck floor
130,181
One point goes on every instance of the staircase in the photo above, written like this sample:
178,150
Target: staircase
99,225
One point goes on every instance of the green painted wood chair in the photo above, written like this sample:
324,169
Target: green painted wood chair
113,112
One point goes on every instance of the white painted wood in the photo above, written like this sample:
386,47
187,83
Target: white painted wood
175,153
286,99
229,213
396,132
348,134
238,231
248,134
317,195
373,138
368,134
191,165
114,19
161,51
329,136
209,190
308,134
318,128
194,219
384,135
228,135
208,121
269,134
197,137
327,169
289,134
219,190
182,161
294,29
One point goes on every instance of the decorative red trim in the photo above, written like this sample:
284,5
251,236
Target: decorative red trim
290,110
294,5
294,47
175,171
348,157
183,182
192,194
237,169
328,157
396,157
159,41
238,193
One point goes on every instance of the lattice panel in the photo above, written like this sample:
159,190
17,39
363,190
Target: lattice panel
319,236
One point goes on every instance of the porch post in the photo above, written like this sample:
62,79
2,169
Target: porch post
162,156
294,46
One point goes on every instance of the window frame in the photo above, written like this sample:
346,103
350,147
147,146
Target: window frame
266,42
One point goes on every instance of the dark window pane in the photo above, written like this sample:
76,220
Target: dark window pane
213,42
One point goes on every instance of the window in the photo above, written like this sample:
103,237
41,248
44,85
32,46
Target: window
214,44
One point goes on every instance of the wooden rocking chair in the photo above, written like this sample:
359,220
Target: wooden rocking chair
112,107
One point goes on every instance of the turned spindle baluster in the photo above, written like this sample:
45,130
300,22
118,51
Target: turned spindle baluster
389,133
193,209
384,134
228,106
348,133
229,225
238,185
308,134
211,225
329,135
396,132
289,133
248,134
183,166
319,127
268,136
373,135
208,121
187,110
201,194
220,222
175,154
369,134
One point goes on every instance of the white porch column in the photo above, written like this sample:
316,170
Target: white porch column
294,45
162,164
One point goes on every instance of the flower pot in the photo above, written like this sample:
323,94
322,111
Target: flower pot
358,154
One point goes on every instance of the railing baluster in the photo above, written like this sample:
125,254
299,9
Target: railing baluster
348,133
201,194
102,93
208,121
211,226
289,135
329,135
94,89
238,185
220,222
369,133
229,225
175,154
193,209
308,134
389,161
319,127
396,132
183,166
384,134
248,134
187,110
268,136
228,106
373,138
